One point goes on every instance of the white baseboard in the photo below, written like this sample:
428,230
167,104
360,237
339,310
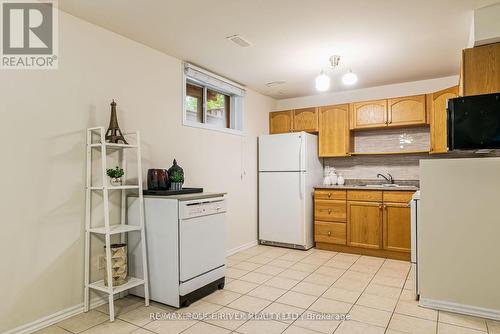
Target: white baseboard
460,308
77,309
56,317
242,247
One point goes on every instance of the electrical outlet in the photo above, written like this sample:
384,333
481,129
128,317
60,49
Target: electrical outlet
101,263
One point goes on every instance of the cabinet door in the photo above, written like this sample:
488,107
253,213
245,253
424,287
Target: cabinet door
369,114
334,138
409,110
280,121
481,70
305,119
397,227
364,224
438,118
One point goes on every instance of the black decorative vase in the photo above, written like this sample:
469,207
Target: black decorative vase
174,170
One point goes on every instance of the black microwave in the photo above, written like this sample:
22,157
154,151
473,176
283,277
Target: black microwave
474,122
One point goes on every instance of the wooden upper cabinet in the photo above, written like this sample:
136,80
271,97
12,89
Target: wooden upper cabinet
364,224
438,103
396,227
480,71
334,137
305,119
280,121
368,114
409,110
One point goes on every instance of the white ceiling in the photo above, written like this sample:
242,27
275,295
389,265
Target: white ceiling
383,41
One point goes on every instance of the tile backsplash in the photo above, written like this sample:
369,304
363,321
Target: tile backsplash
401,167
392,140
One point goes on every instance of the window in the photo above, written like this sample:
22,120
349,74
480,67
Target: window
212,102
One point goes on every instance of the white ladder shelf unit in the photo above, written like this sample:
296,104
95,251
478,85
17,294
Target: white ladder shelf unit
108,230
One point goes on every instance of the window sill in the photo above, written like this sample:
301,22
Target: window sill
213,128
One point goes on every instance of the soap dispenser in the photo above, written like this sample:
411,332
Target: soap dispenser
326,176
340,180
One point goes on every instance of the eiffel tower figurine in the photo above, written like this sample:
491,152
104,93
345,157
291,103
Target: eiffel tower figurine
114,134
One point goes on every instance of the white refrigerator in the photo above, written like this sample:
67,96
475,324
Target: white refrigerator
289,168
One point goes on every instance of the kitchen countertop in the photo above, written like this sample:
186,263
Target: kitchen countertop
185,197
364,187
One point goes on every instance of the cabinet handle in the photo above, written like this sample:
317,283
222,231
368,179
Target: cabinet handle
329,195
329,211
380,206
329,233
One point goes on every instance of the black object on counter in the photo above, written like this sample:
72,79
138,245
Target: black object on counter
158,179
172,192
175,168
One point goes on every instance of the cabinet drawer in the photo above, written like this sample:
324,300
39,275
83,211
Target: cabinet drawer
334,233
330,194
398,196
330,210
364,195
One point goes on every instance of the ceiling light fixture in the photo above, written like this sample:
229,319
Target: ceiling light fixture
349,78
322,82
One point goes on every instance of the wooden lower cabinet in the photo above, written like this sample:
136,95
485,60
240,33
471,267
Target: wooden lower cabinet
368,222
364,224
396,227
330,232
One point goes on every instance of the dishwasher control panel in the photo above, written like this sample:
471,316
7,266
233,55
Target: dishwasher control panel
202,207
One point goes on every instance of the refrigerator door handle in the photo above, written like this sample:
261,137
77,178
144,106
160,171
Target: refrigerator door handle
300,169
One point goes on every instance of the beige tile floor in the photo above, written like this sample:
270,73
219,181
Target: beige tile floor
268,280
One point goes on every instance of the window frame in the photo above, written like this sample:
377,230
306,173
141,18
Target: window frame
236,102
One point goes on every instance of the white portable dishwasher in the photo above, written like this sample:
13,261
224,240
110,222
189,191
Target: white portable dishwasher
186,246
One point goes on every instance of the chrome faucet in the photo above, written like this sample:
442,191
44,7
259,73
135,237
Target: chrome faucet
389,179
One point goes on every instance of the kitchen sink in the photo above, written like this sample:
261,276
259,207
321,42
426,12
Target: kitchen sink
386,185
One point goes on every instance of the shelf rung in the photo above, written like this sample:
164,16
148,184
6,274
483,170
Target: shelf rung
113,145
115,229
132,283
114,187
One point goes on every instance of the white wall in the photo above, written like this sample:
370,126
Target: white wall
379,92
459,253
44,115
486,28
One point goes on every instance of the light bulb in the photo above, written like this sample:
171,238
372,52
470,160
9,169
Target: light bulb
349,78
322,82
